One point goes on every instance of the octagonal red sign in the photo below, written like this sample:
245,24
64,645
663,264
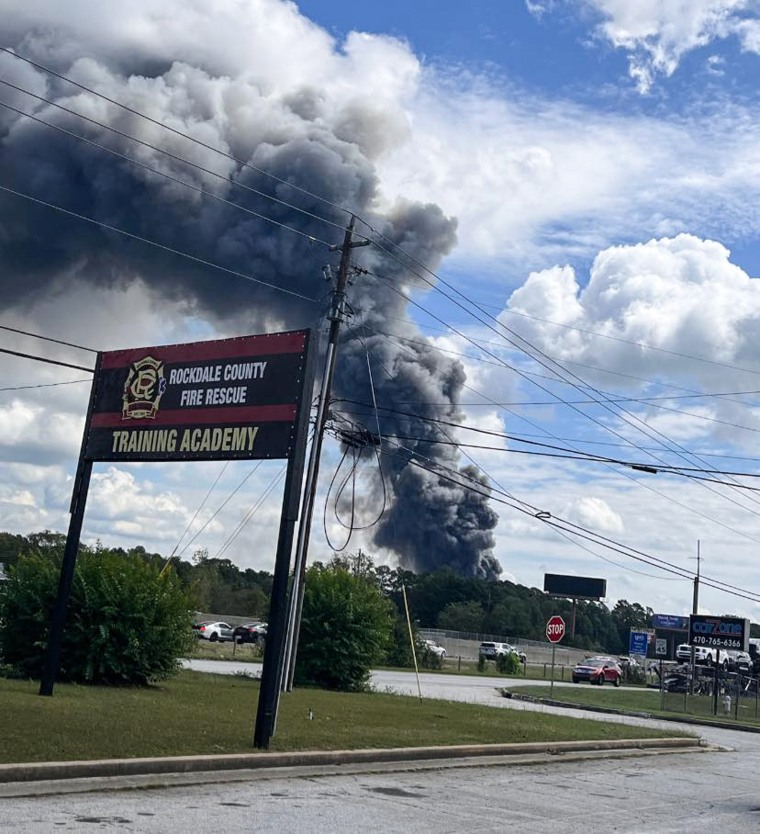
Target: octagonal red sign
555,629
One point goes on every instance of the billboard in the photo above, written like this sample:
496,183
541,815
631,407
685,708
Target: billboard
719,632
574,587
670,622
215,400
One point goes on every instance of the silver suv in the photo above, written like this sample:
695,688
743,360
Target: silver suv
490,651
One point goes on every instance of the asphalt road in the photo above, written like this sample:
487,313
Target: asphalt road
712,791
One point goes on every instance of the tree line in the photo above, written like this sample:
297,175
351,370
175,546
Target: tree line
438,599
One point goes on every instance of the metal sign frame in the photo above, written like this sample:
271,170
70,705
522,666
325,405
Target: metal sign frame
243,398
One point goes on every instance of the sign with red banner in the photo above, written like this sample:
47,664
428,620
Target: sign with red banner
216,400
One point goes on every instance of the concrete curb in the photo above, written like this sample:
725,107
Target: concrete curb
46,771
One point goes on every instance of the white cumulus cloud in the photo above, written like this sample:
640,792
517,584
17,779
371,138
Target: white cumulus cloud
658,33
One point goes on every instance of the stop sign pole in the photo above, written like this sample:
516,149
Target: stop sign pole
555,631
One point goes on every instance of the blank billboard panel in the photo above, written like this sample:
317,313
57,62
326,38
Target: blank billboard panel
575,587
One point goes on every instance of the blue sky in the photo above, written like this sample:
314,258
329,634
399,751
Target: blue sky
559,54
601,160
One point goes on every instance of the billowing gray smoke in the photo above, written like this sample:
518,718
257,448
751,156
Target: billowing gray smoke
299,136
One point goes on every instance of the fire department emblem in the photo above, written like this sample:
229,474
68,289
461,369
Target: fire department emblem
143,389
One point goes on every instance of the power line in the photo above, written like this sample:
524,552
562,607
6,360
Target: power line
200,507
157,245
46,338
184,183
578,530
175,131
507,311
478,343
211,148
220,507
562,534
540,359
637,482
45,359
251,513
44,385
559,452
163,173
643,428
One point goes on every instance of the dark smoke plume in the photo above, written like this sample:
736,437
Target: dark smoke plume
300,139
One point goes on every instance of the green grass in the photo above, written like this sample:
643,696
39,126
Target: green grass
196,714
646,700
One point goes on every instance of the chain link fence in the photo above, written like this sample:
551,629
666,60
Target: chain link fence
709,692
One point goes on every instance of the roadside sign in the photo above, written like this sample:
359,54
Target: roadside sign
719,632
661,646
638,641
555,629
670,622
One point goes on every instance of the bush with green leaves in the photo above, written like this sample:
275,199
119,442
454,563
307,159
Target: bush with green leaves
127,621
346,628
399,652
427,659
508,664
634,674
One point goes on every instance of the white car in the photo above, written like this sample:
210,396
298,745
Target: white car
434,648
216,631
703,655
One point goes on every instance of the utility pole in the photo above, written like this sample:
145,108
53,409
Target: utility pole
695,610
337,314
695,602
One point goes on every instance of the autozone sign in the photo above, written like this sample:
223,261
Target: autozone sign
555,629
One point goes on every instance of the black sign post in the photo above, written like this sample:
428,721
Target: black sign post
245,398
78,501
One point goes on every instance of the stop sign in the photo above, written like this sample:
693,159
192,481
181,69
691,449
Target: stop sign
555,629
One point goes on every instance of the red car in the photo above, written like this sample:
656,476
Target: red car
598,670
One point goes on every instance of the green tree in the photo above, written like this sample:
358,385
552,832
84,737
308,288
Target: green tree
345,629
400,648
127,620
462,616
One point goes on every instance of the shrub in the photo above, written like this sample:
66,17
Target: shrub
399,652
127,621
635,674
508,664
345,629
427,659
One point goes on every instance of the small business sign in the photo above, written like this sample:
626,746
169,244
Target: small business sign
719,632
670,622
638,642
